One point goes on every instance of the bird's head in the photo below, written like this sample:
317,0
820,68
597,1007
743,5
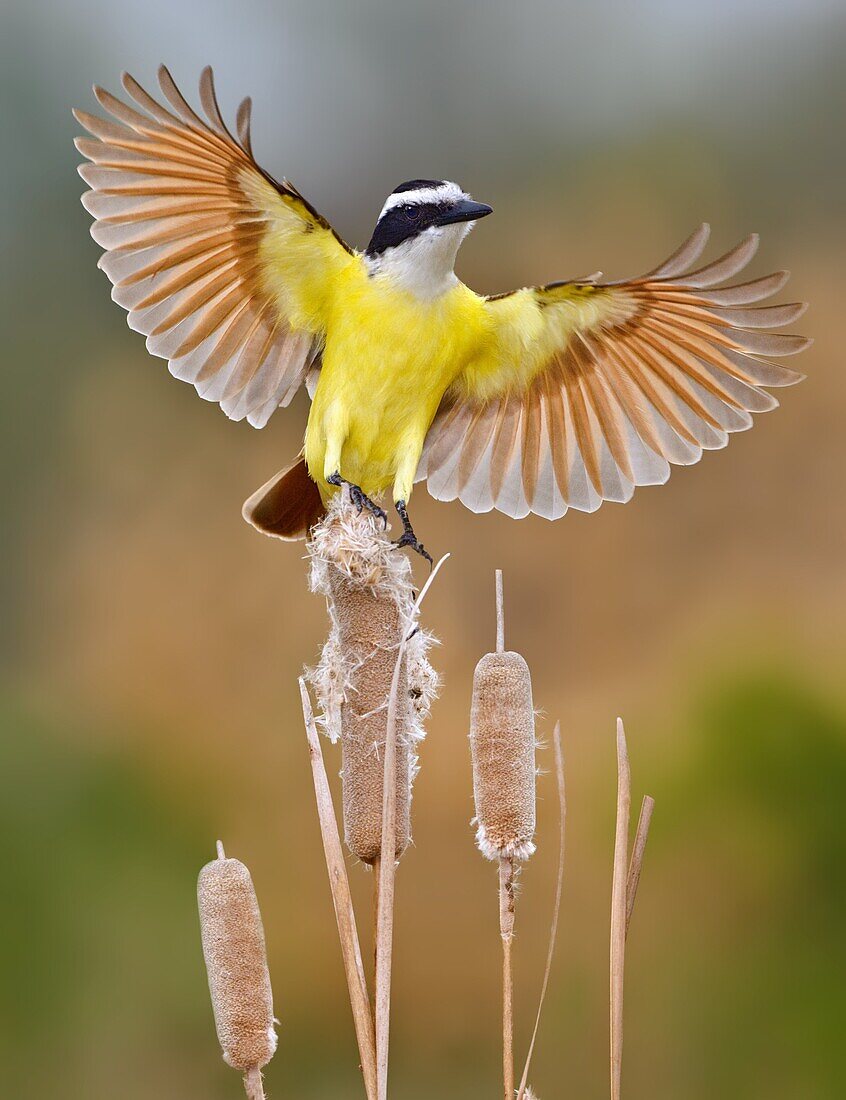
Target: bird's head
418,234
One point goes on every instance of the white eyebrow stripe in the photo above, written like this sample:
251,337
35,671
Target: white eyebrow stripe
447,192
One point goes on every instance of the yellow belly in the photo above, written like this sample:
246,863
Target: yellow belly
388,360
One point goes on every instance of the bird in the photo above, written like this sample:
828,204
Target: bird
537,400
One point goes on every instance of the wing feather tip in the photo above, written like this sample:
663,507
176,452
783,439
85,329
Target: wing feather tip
476,509
85,120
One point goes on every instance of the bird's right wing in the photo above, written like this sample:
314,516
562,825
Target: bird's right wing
225,271
589,389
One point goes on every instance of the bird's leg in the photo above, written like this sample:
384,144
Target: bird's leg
408,537
359,498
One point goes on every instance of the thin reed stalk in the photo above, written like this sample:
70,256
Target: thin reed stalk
342,900
638,852
623,894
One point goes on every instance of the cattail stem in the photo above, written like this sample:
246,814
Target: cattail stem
342,900
500,615
556,909
377,866
506,931
385,892
387,863
618,908
253,1085
623,894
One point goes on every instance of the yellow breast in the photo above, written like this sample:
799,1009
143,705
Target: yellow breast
388,360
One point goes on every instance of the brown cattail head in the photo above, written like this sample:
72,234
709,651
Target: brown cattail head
502,745
369,593
236,962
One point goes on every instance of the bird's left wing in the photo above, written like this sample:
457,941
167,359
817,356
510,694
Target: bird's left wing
587,389
224,270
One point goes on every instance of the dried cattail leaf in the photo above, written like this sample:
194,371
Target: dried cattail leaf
236,963
502,745
369,592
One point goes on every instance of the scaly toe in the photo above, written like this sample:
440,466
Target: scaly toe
408,538
361,500
378,512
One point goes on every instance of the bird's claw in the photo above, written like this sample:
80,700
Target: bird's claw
408,538
361,500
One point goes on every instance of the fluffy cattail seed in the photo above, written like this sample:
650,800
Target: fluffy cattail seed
502,744
368,588
236,962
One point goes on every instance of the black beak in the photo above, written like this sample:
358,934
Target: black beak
464,211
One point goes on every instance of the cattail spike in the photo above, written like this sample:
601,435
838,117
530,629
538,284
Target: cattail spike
220,852
236,962
502,745
370,595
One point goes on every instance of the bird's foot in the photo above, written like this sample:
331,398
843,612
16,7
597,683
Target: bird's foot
408,537
360,499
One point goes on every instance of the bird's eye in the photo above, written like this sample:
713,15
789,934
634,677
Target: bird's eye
411,212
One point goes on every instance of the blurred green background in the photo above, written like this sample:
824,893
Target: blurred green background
151,641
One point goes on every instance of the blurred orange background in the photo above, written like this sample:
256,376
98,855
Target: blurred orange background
151,640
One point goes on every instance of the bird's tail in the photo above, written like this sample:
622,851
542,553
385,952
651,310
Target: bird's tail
287,506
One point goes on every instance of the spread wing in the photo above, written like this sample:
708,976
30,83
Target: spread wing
225,271
589,389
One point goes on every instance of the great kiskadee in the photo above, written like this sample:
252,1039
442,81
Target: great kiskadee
539,400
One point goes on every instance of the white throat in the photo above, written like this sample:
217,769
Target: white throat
422,265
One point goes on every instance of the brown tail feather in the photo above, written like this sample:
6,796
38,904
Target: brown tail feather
287,506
